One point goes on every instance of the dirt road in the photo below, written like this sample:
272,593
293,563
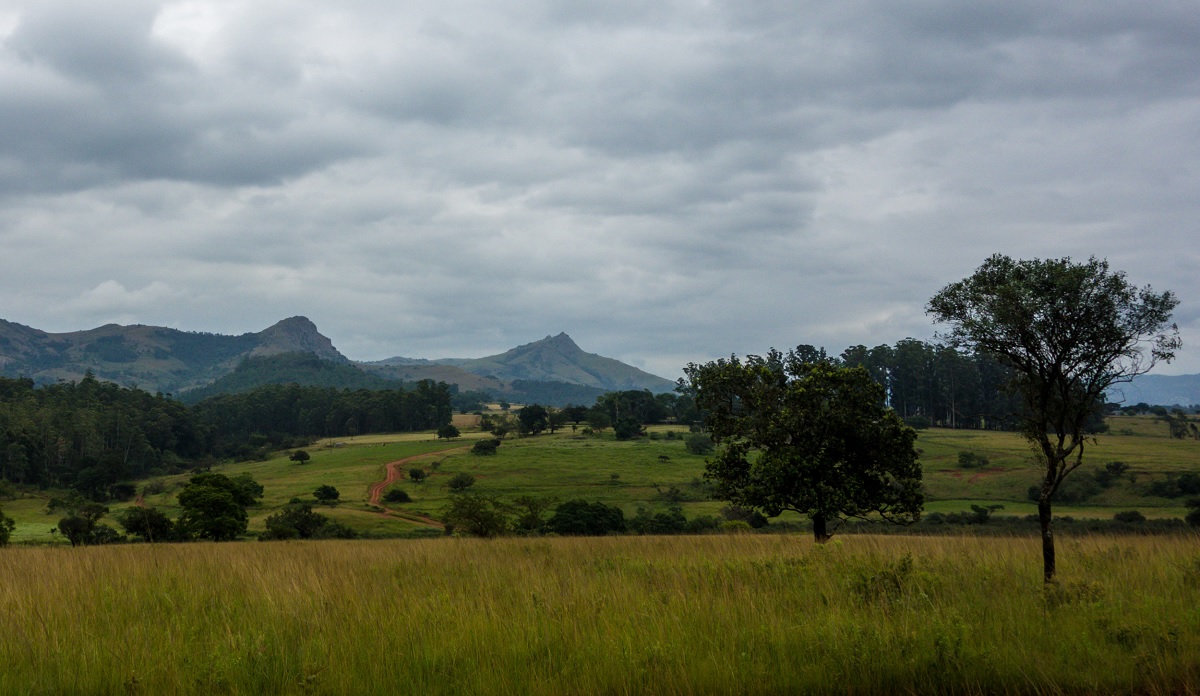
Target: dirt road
395,472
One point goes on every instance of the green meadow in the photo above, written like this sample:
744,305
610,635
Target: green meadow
652,472
746,614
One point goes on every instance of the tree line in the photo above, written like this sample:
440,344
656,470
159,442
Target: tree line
95,437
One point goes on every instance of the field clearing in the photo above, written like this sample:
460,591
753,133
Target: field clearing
659,615
654,472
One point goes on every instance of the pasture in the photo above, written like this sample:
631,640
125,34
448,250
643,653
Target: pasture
750,614
652,472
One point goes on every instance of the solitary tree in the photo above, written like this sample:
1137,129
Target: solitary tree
809,437
448,431
1068,331
300,457
327,494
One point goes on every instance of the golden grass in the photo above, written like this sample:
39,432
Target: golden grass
679,615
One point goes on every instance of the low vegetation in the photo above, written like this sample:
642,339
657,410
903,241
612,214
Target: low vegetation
709,614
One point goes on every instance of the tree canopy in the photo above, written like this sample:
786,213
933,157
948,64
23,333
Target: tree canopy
1067,331
811,437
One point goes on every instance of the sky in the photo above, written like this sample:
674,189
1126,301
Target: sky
667,182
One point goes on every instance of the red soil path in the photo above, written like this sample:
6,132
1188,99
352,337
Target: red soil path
395,473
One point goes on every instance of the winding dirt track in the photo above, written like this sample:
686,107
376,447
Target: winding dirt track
395,473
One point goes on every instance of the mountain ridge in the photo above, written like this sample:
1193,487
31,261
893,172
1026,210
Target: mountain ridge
175,361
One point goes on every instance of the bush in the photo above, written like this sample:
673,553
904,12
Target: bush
1193,516
485,447
417,474
326,494
698,443
7,525
628,429
300,457
752,517
1129,517
478,515
461,482
581,518
971,460
397,495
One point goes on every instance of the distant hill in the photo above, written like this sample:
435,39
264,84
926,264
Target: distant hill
552,359
305,369
552,371
153,358
1158,390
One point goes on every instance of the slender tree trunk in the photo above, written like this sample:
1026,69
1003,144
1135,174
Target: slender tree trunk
820,529
1045,517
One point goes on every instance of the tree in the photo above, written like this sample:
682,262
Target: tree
298,521
533,419
82,520
485,448
478,515
417,474
447,431
149,523
300,457
581,518
809,437
1067,331
628,428
530,511
7,525
214,506
327,494
460,482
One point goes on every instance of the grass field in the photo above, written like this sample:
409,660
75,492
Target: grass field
745,614
640,473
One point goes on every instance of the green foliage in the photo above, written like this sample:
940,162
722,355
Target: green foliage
699,443
533,419
7,525
300,457
460,482
417,474
214,506
149,523
627,428
477,515
581,518
1068,332
326,494
1129,517
813,438
298,521
972,460
447,431
299,368
531,512
485,448
1193,515
397,495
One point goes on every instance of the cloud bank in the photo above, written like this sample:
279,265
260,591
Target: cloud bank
667,182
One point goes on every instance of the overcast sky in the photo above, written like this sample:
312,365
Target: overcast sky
665,181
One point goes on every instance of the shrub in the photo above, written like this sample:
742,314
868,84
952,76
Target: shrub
7,525
581,518
461,482
478,515
971,460
1129,517
300,457
397,495
1193,516
736,527
752,517
326,494
698,443
485,447
417,474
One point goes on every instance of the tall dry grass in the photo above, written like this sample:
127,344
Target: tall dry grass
629,615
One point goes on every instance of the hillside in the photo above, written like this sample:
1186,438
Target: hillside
305,369
154,358
552,359
171,361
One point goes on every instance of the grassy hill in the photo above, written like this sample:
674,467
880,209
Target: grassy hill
642,473
305,369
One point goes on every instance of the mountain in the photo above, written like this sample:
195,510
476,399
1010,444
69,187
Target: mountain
178,362
1158,390
153,358
552,359
305,369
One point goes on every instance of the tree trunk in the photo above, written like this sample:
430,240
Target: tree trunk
820,529
1045,517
